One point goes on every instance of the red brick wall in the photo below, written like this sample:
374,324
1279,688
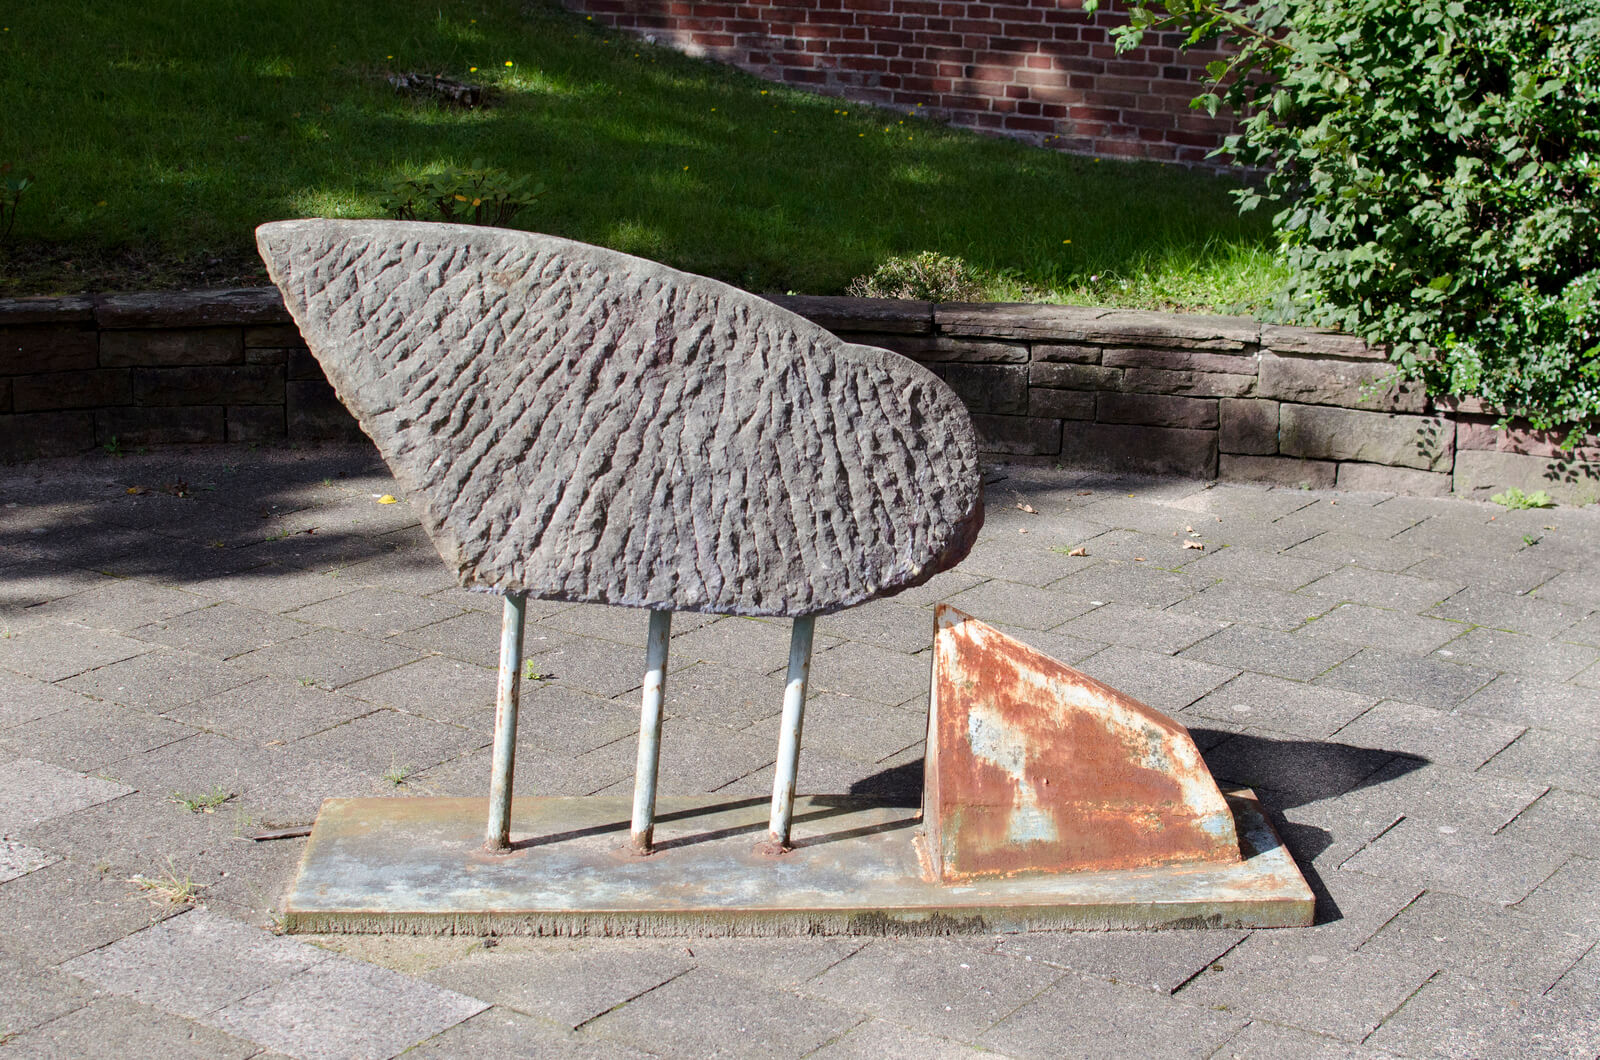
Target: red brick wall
1035,70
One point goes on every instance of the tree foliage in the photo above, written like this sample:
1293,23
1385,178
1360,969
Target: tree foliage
1435,166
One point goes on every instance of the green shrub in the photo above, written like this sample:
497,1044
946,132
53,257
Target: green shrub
1436,169
928,276
478,195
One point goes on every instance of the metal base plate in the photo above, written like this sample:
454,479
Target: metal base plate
417,866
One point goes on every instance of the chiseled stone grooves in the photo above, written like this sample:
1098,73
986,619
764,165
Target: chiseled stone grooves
584,425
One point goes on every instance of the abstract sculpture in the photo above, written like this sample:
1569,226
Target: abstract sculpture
576,424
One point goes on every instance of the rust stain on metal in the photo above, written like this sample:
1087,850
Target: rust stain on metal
1034,767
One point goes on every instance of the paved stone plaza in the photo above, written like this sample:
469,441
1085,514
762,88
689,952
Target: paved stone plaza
197,646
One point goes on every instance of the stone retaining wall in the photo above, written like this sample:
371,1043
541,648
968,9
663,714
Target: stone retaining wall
1208,397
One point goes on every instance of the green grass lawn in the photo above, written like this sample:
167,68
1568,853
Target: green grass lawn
161,133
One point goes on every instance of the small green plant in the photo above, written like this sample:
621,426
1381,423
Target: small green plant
477,194
1514,500
206,803
113,447
168,887
12,186
532,673
398,775
928,276
1529,540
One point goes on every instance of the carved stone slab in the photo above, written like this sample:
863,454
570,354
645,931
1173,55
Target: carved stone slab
1034,767
583,425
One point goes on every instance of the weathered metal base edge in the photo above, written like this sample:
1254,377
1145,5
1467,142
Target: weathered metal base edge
415,866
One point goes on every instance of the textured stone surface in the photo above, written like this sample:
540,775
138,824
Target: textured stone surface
583,425
1248,426
1372,385
1371,437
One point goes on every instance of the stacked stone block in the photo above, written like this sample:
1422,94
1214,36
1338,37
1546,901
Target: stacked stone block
1203,396
1047,73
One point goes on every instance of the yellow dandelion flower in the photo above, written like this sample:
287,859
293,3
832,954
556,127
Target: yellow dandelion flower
509,63
472,69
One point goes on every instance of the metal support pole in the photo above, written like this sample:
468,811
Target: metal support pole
794,708
644,772
498,836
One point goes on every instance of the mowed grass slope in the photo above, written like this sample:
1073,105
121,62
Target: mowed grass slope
162,133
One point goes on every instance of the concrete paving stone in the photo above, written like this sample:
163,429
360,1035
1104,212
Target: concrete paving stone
950,987
749,1019
324,547
159,680
1577,588
24,699
274,588
494,603
1166,551
221,630
1585,632
1126,511
1308,770
1385,589
1541,703
1581,983
1115,1021
1562,759
566,720
32,927
1496,649
119,604
1261,1040
18,858
1323,834
407,954
1588,678
437,688
1252,604
1327,990
32,792
1019,605
696,757
176,564
1485,941
1165,682
1455,1016
881,1040
1267,537
747,644
92,738
603,668
563,981
1245,500
275,786
1438,736
1266,651
785,962
1346,514
502,1032
1520,614
1568,899
137,1031
1374,627
270,710
375,612
51,651
867,671
1424,680
474,637
408,563
1062,647
885,623
717,694
391,741
1155,960
1460,529
1351,908
328,657
194,963
940,587
31,994
1031,559
1440,794
1561,820
826,773
621,625
538,772
1258,567
1137,627
1499,572
1135,583
851,728
1338,549
1282,706
26,584
339,1008
1492,868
